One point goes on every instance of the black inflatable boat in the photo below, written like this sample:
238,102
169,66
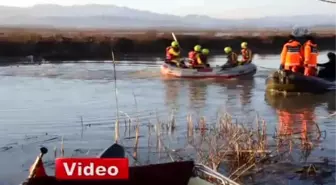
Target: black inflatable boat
287,82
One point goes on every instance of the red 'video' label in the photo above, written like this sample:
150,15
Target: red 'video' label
91,168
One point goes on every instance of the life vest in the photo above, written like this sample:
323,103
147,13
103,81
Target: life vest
232,58
192,56
204,58
246,54
291,55
310,54
170,56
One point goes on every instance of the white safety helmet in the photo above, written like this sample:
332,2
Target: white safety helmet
299,31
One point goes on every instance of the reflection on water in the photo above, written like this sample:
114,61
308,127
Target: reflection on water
331,105
245,85
298,120
172,90
197,94
246,94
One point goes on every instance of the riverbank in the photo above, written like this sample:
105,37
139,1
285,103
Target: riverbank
53,44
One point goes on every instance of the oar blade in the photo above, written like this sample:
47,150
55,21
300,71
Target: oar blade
174,37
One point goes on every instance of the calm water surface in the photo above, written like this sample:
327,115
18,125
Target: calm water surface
42,104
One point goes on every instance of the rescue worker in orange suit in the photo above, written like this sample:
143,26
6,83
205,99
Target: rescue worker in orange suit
194,57
246,54
310,54
291,55
232,58
204,57
173,54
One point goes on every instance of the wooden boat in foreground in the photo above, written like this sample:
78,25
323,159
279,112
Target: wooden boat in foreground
175,173
211,72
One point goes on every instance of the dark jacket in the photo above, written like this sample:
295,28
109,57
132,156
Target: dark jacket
330,65
329,70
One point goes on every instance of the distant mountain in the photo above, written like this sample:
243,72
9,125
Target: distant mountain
110,16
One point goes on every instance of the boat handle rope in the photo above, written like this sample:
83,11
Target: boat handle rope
212,173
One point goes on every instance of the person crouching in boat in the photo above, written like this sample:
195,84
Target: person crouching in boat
173,54
194,57
204,57
291,55
232,58
310,54
246,54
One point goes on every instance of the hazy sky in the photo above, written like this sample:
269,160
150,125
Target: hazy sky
215,8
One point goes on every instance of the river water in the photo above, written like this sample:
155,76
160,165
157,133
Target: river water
40,105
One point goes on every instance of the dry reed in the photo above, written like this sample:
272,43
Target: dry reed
231,142
226,144
240,149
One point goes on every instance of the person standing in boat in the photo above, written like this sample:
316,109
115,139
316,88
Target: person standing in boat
194,57
291,55
310,54
204,57
246,54
232,58
173,54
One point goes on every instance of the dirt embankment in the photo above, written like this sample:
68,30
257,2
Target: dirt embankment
96,45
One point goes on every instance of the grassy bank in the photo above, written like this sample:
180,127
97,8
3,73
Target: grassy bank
52,44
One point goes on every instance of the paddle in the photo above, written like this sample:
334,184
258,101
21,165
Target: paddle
115,84
117,151
43,151
175,39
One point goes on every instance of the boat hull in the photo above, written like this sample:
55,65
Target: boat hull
177,173
285,82
215,72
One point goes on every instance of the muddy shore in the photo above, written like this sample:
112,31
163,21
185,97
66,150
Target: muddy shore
96,45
